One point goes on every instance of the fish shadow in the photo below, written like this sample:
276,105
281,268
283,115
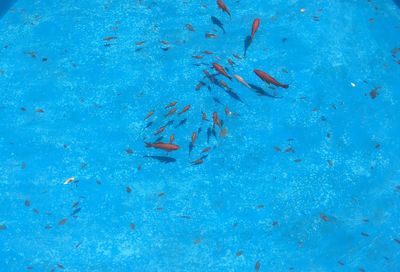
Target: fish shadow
163,159
260,91
247,43
218,23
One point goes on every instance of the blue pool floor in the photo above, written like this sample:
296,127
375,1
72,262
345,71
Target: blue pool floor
299,179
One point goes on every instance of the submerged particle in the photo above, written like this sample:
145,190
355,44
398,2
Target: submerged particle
132,226
352,84
129,151
27,203
128,189
239,253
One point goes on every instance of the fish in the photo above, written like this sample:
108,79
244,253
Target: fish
163,159
242,81
324,217
68,181
171,138
216,120
164,42
204,116
209,76
160,130
221,70
194,137
62,221
109,38
163,146
181,123
247,43
185,109
205,150
170,105
197,162
269,79
149,124
171,112
217,22
200,85
198,57
207,52
223,7
140,43
208,134
237,56
149,114
231,63
255,26
210,35
190,27
76,211
227,111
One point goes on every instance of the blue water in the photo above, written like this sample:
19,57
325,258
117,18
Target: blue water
302,179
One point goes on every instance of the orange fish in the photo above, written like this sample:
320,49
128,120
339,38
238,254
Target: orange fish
197,57
221,70
171,138
163,146
324,217
170,105
207,52
205,150
171,112
149,114
222,6
269,79
216,120
194,137
254,27
160,130
185,109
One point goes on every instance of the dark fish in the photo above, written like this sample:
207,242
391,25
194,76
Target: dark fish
181,123
234,95
208,134
217,22
163,159
247,43
260,91
149,124
76,211
214,133
217,100
190,147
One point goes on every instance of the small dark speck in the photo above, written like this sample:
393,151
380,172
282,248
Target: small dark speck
284,40
3,227
128,190
323,118
44,59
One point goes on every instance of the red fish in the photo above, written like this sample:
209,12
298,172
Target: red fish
172,111
222,6
269,79
170,105
205,150
221,70
254,28
149,114
160,130
197,162
216,120
209,76
163,146
185,109
194,137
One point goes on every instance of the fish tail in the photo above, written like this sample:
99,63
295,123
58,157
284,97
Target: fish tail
285,86
149,145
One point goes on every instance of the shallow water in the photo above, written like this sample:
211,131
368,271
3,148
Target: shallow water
304,180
